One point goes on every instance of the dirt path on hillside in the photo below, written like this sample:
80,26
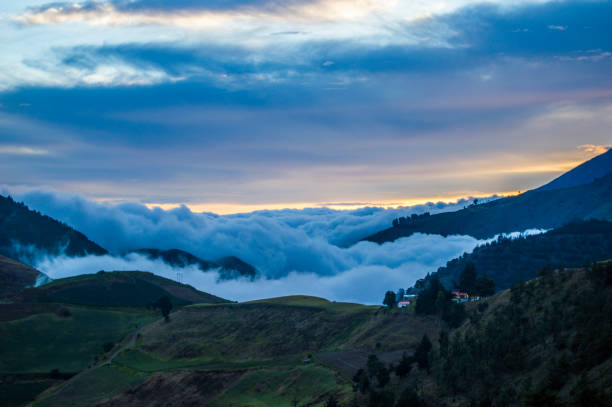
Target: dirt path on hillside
129,344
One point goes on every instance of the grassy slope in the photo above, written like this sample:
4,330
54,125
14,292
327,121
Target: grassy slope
90,386
278,387
269,339
276,328
46,341
532,209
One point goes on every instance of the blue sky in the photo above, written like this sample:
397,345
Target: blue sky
237,105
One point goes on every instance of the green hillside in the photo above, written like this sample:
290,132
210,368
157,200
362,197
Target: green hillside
117,289
541,343
252,353
545,209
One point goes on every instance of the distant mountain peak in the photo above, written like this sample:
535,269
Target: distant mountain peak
229,267
585,173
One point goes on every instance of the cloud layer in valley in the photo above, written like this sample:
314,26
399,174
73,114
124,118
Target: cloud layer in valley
309,251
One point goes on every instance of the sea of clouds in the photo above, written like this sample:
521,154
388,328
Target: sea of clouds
310,251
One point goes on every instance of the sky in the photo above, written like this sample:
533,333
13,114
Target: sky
228,106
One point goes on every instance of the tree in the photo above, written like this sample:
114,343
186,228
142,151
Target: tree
484,286
426,301
331,401
467,279
383,376
409,398
374,365
404,365
362,383
389,300
400,294
165,306
381,399
421,354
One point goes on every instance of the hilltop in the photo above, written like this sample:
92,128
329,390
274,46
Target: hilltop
509,260
117,289
585,173
25,234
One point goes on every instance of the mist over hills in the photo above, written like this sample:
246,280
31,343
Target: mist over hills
304,251
28,235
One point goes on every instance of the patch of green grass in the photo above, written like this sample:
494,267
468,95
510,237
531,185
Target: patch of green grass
43,342
91,386
277,387
309,301
138,360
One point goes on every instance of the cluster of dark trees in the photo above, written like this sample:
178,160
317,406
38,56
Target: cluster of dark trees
434,299
561,321
372,383
165,306
407,220
469,282
506,261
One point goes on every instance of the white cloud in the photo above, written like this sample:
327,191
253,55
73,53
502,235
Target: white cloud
361,273
21,150
31,33
368,270
276,242
306,251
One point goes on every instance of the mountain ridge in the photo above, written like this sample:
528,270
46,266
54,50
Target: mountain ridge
585,173
26,234
229,267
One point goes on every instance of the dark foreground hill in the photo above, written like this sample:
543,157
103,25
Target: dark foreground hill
117,289
542,343
24,234
16,276
229,267
545,209
507,261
